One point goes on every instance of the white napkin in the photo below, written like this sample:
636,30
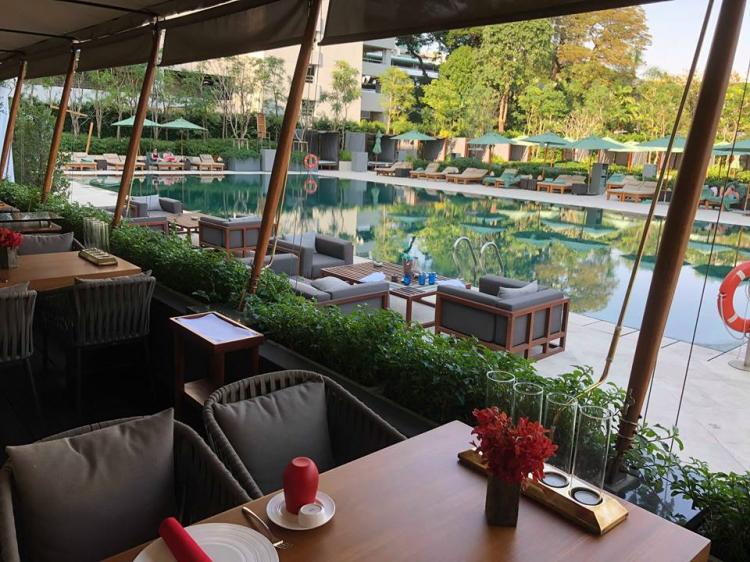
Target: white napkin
451,283
373,277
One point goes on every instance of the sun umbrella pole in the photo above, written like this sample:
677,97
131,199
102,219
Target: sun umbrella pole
544,159
8,142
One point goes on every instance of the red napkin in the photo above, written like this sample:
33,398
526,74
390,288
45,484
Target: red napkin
181,545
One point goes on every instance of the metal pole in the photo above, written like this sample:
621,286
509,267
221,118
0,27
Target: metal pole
8,142
680,217
284,147
59,124
137,130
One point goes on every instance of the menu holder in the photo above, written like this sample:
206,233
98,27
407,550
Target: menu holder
97,257
598,519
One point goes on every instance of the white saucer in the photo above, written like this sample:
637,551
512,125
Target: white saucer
276,511
222,542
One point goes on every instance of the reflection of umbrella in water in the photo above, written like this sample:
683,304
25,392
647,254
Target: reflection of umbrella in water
591,230
715,271
647,262
407,219
705,247
483,229
580,245
534,237
539,238
515,214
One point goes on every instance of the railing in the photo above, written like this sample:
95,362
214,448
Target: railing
480,263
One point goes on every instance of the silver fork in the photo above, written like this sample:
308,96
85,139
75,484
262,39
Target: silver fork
259,525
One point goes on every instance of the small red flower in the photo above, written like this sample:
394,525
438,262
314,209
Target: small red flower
512,452
10,238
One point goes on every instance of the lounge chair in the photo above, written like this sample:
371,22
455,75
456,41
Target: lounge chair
80,161
395,168
208,160
506,179
469,175
431,168
635,191
709,200
317,251
441,175
562,183
113,161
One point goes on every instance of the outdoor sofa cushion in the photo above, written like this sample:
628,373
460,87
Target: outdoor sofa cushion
268,431
302,288
215,236
46,243
87,497
151,201
329,284
542,296
508,292
319,261
305,240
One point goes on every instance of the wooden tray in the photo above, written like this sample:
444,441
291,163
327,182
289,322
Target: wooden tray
97,257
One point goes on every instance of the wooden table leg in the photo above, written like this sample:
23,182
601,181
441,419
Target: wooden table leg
179,374
408,310
255,361
216,370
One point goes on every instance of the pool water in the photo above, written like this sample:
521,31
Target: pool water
586,253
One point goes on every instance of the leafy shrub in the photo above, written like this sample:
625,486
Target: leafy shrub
345,156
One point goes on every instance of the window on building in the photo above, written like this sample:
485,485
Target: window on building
373,54
308,108
370,83
310,77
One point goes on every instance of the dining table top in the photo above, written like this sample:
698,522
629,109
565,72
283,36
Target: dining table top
414,502
45,272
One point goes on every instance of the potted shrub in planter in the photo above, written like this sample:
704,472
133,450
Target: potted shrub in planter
345,161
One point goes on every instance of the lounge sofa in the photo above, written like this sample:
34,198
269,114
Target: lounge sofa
503,322
330,291
154,206
317,251
283,262
234,235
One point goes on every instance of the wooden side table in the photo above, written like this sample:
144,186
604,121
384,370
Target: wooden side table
218,335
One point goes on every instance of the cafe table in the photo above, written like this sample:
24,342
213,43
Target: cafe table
30,222
414,502
53,271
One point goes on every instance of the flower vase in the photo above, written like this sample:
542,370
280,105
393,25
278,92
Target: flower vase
408,266
501,504
8,258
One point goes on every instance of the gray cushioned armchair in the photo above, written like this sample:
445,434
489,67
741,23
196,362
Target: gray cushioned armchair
202,488
234,235
532,324
349,428
329,251
348,299
142,207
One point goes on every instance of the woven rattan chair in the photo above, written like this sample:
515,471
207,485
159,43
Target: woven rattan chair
354,429
100,313
204,487
16,335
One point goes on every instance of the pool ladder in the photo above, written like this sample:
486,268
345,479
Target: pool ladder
479,263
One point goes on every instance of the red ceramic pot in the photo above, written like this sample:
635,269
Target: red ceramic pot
300,484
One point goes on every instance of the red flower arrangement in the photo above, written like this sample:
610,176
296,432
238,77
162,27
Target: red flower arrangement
512,452
10,238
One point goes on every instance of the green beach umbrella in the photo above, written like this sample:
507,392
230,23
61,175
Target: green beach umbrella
547,140
377,149
129,122
182,125
660,145
593,144
415,137
491,139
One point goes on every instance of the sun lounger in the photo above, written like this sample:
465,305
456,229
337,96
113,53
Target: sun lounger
431,168
506,179
636,193
441,175
469,175
80,161
628,182
393,169
561,184
113,161
709,200
208,160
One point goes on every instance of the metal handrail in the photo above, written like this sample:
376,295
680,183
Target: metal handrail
456,244
486,246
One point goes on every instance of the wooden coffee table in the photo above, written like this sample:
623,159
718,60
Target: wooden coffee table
186,223
411,294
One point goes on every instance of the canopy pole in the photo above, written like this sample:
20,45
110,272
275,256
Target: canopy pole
679,220
8,141
59,124
135,135
284,147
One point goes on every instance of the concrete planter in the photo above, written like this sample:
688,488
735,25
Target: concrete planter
246,165
345,166
359,161
267,156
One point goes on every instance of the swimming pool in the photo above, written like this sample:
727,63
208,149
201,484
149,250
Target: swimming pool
587,253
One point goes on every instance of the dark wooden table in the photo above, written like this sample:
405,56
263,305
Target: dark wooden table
411,294
199,390
33,222
186,223
414,502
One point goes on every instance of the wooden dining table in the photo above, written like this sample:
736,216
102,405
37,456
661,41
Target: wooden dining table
414,502
45,272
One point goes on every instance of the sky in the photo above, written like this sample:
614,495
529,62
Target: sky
675,27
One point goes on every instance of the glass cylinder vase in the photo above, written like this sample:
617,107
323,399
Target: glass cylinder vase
560,412
591,452
528,398
500,391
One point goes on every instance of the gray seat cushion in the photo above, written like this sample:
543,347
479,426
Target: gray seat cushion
521,324
46,243
464,319
269,431
491,284
511,292
319,261
91,496
329,284
151,202
302,288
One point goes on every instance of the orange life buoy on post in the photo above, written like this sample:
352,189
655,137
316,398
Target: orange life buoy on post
726,298
311,161
310,186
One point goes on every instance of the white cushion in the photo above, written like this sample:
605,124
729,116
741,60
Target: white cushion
306,240
509,292
328,284
152,202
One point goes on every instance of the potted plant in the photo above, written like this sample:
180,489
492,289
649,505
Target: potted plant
10,240
512,453
345,161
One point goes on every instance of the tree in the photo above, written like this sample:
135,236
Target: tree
274,81
543,107
658,100
345,88
512,56
397,91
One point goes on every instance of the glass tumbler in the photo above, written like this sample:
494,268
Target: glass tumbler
500,391
528,398
560,411
590,456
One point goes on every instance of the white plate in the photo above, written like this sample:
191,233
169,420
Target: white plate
276,511
222,542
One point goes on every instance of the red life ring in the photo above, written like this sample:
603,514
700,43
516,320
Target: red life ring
726,298
311,161
310,186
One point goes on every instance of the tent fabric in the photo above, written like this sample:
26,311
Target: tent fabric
231,32
357,20
49,63
121,49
